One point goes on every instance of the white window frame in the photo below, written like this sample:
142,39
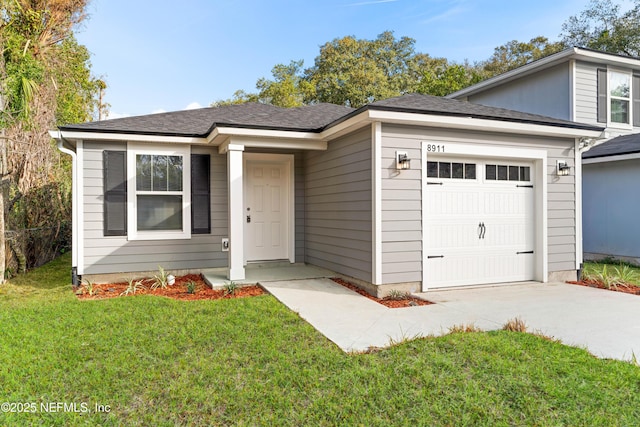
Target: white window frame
134,150
610,123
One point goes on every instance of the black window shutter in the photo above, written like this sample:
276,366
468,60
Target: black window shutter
602,96
200,194
115,192
635,87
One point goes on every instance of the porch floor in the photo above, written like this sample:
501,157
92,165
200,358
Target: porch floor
267,272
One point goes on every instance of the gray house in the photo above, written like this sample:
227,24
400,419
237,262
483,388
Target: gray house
596,88
414,192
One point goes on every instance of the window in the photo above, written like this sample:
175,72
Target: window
451,170
159,193
507,173
619,96
152,202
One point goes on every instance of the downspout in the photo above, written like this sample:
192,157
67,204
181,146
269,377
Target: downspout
75,279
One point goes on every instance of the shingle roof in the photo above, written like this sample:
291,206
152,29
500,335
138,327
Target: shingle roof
312,118
200,122
626,144
418,103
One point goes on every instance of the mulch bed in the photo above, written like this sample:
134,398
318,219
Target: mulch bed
177,291
391,303
633,290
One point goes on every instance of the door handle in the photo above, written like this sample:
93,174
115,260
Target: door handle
248,219
481,230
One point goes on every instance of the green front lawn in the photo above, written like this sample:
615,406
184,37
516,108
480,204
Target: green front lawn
156,361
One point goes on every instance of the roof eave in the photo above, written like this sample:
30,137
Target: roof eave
632,155
493,124
549,61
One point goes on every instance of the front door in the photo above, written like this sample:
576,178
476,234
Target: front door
267,209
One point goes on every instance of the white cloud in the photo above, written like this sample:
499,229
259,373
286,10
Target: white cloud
158,111
456,10
194,105
112,115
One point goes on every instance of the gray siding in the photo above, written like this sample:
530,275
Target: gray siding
611,206
586,103
401,198
338,206
115,254
547,92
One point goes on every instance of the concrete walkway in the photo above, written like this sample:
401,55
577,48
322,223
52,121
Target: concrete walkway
605,323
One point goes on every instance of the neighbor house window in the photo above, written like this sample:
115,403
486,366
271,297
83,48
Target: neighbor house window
159,193
619,97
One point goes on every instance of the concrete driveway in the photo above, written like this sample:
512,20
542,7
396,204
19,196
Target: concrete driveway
605,323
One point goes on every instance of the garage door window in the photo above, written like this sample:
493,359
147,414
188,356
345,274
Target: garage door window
507,173
453,170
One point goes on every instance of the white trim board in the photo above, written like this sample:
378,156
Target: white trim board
606,159
80,207
376,189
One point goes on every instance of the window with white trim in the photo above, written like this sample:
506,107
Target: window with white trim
159,193
619,97
618,103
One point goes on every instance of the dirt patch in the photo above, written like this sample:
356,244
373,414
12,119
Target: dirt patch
391,303
178,290
630,289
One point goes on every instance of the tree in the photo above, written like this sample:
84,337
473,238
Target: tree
239,97
288,87
515,54
355,72
603,26
448,78
45,80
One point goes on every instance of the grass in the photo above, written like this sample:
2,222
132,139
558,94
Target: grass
161,362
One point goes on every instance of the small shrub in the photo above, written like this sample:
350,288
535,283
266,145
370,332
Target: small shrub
161,279
191,287
627,275
397,295
89,287
133,287
515,325
612,276
230,288
470,327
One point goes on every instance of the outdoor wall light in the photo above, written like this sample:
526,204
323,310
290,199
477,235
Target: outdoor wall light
402,160
563,168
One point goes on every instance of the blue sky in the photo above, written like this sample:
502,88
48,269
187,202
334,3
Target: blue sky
164,56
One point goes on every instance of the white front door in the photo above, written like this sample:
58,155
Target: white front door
267,209
480,222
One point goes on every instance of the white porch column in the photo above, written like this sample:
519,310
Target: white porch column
236,211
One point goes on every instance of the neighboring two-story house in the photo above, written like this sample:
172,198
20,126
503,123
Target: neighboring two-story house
597,88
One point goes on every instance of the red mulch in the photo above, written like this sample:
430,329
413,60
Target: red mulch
633,290
407,302
177,291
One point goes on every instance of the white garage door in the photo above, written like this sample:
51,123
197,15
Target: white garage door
480,222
